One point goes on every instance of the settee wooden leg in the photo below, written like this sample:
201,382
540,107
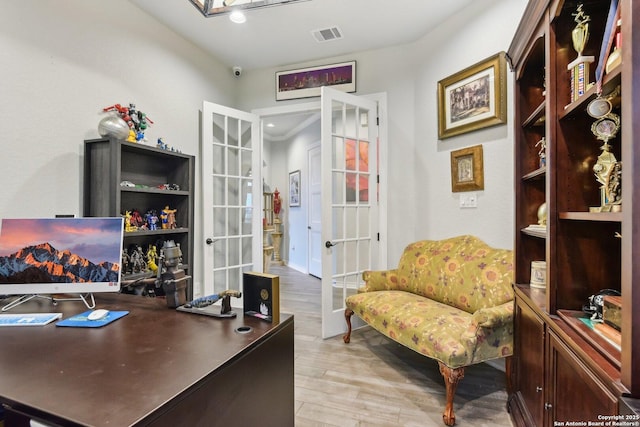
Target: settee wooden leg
347,316
451,377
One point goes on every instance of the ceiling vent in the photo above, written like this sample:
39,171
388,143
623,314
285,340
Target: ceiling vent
327,34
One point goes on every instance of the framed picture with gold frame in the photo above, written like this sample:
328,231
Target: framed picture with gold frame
467,170
473,98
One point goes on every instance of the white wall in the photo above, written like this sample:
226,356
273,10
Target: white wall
484,32
420,203
61,63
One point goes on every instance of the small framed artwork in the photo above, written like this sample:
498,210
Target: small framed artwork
473,98
467,169
307,82
294,188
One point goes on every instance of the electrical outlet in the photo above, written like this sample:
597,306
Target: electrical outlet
468,200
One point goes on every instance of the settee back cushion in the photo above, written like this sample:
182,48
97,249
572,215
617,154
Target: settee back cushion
463,272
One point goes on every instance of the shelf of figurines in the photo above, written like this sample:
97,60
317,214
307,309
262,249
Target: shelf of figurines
159,231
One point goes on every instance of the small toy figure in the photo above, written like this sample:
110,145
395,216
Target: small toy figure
125,261
127,222
152,220
152,255
132,136
137,221
168,218
542,153
137,121
138,265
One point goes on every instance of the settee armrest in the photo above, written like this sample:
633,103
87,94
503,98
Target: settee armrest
381,280
494,317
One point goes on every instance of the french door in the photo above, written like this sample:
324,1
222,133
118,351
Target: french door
231,197
349,200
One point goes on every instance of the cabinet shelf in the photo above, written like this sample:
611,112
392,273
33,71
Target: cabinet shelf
159,232
538,174
151,190
542,234
108,162
537,118
609,83
594,339
592,216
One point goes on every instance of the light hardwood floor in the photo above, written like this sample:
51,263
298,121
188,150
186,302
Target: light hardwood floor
374,381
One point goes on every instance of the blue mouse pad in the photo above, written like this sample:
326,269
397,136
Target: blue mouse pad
82,321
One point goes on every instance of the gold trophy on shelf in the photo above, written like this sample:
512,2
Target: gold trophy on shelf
579,68
608,169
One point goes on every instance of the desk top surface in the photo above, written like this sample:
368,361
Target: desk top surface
117,374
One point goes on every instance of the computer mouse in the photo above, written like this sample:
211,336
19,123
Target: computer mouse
98,314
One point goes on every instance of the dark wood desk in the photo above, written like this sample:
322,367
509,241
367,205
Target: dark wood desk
154,367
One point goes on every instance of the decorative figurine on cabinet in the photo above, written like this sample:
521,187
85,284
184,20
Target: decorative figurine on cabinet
127,222
137,121
542,152
137,221
152,255
152,219
168,217
138,264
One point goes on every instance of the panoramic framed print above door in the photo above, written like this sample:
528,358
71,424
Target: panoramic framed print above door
307,82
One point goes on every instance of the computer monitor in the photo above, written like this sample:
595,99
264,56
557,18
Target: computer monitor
46,256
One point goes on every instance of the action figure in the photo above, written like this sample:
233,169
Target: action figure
168,218
137,121
152,255
152,220
128,226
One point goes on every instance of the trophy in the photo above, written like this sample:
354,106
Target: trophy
608,169
579,68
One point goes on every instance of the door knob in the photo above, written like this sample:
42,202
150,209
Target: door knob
209,241
328,244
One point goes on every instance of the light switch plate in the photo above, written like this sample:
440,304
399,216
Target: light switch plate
468,200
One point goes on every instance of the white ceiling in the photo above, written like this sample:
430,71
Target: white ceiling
280,35
274,37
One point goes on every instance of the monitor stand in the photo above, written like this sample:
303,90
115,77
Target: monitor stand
88,300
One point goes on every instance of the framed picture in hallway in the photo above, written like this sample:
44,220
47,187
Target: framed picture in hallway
294,188
473,98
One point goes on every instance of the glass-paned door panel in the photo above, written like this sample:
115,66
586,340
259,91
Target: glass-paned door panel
348,198
232,239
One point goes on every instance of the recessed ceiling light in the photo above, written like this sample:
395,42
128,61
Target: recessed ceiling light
270,125
238,17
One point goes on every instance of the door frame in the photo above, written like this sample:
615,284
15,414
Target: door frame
314,146
381,99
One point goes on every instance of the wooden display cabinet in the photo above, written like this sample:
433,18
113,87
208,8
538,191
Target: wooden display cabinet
564,370
109,163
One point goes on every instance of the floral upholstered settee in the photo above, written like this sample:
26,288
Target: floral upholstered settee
450,300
